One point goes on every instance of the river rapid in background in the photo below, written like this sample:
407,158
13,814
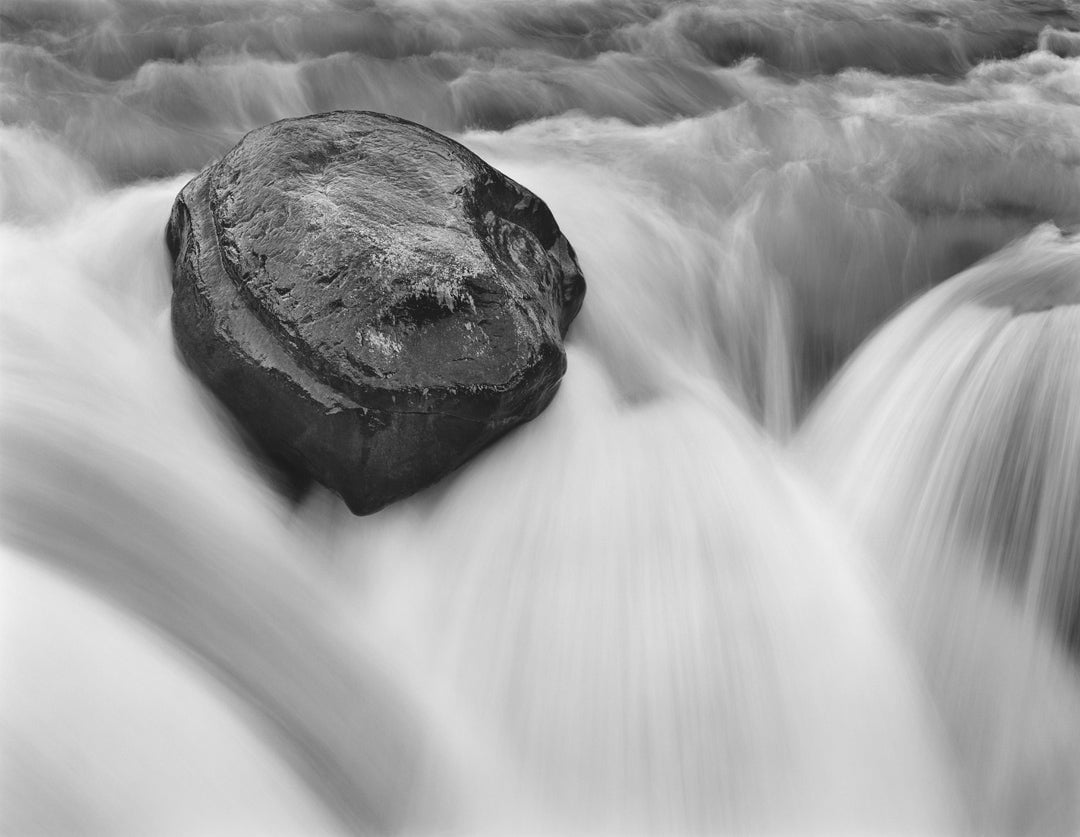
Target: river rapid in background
796,548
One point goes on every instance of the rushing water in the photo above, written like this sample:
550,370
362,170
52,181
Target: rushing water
785,555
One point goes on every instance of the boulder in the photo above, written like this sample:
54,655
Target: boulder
372,301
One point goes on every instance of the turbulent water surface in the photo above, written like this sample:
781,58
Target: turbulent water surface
796,549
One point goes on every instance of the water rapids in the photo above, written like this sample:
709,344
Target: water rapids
796,549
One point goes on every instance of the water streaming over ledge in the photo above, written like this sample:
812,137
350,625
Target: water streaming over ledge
783,556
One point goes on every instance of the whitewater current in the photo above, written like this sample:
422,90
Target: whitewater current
795,549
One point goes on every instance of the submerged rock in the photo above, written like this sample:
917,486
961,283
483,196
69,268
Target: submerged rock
372,301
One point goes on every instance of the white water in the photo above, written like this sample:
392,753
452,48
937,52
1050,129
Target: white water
697,595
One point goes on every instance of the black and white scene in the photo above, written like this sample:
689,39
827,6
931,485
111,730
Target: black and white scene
539,418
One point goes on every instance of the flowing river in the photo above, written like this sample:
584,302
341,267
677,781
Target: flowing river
795,549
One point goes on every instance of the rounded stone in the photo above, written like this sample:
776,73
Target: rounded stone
372,301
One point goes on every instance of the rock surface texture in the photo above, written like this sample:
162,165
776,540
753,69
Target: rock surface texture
372,301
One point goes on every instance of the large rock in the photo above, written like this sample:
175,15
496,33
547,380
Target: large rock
372,301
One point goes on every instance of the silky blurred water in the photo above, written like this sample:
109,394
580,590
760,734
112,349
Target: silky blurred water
796,548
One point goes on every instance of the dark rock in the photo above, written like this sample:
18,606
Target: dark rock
371,300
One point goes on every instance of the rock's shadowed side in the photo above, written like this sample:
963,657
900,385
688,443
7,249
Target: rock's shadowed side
371,300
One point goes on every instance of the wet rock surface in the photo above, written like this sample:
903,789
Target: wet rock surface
372,301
